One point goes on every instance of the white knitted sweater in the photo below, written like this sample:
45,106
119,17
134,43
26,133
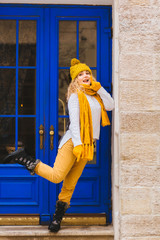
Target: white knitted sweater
73,107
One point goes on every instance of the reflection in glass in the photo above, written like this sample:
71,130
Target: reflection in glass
94,72
7,90
88,42
26,134
94,161
7,42
27,43
61,127
64,81
7,137
27,91
63,124
67,42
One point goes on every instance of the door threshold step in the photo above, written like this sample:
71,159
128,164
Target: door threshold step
67,232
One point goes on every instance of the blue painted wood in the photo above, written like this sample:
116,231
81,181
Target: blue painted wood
19,191
44,113
93,191
16,103
86,191
102,167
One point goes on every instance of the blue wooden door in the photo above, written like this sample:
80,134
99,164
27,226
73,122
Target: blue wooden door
84,33
36,46
22,105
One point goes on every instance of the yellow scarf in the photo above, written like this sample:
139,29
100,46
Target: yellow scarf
86,128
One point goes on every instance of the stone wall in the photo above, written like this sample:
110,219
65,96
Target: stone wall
139,112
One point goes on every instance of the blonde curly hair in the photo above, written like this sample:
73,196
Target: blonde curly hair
74,86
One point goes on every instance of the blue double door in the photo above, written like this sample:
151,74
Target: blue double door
37,44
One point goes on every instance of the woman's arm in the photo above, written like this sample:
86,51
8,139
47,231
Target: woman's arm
106,98
73,108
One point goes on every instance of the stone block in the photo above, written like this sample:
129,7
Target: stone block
157,64
136,175
139,148
140,122
157,95
139,42
140,226
67,233
143,238
136,201
156,201
134,2
136,66
155,3
133,19
137,96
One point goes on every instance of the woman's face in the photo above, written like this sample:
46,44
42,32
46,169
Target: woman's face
84,77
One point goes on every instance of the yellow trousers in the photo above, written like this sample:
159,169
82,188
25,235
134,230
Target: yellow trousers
65,169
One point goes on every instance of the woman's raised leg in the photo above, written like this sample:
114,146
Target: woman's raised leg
63,163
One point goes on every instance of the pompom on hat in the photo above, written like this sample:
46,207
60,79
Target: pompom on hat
77,67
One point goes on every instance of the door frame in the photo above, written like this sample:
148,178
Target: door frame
46,71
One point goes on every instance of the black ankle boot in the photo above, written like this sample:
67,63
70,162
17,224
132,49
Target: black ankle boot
20,156
61,208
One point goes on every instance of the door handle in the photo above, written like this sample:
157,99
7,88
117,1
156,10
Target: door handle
41,134
51,133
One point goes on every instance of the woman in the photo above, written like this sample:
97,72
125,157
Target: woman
87,105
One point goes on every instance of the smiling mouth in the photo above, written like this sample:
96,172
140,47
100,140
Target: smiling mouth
86,81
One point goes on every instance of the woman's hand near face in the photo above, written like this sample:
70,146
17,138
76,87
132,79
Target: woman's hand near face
95,86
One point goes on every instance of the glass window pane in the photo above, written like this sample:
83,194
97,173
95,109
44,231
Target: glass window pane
67,42
62,127
7,137
27,91
94,161
27,43
64,81
7,89
94,72
88,42
7,42
26,134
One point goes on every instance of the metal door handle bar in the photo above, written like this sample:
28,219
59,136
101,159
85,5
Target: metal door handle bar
51,133
41,134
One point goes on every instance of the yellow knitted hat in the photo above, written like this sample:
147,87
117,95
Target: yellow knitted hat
77,67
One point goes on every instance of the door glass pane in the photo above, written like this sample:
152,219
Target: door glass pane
7,137
64,81
88,42
94,72
7,89
7,42
27,43
26,134
62,127
27,91
67,42
94,161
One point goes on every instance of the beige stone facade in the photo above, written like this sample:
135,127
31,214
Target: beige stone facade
139,119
